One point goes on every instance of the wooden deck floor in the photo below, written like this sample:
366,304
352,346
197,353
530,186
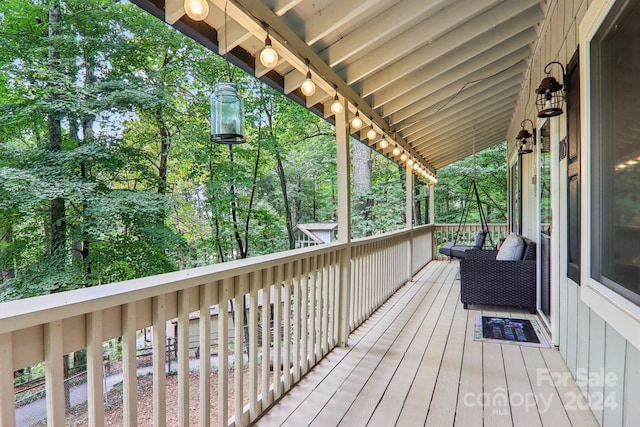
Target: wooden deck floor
414,362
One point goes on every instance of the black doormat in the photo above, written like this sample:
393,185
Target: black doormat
507,330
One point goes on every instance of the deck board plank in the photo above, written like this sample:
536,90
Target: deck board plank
415,361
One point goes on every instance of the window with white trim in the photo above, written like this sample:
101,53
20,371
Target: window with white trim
615,181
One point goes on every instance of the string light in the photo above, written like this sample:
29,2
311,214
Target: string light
396,151
196,9
336,107
308,87
268,56
383,143
356,123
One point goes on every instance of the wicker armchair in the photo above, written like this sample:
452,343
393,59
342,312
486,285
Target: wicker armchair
483,280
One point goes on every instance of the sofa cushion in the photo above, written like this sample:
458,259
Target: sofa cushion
511,249
480,238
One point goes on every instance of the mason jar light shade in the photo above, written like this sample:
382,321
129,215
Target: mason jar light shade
227,114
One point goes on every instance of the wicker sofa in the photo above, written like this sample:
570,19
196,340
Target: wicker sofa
484,280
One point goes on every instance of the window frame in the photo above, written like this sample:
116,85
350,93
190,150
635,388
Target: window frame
613,307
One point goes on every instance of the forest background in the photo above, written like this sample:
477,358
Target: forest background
107,172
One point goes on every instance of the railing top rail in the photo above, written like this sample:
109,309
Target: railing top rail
19,314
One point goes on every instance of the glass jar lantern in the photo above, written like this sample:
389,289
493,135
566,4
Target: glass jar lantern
227,114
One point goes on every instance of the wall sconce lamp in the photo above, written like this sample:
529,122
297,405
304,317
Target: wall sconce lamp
525,139
550,93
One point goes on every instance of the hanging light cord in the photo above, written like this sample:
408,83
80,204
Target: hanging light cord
230,70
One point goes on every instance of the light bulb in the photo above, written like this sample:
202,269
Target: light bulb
403,157
383,143
396,151
336,107
410,162
308,87
416,166
356,123
196,9
371,134
268,56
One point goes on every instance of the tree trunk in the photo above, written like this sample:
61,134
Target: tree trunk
362,172
57,206
285,199
165,145
7,273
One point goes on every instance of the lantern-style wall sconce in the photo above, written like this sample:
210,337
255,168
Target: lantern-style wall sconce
550,93
525,139
227,114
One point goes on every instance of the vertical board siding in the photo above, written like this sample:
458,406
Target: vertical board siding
631,411
597,346
613,378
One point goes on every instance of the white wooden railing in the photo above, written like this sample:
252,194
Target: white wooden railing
318,296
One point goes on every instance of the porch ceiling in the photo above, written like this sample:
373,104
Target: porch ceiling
445,75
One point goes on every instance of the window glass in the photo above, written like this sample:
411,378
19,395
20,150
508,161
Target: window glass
616,151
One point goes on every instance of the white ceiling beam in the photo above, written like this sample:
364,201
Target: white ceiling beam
445,160
317,98
449,50
422,33
499,112
482,101
520,43
334,16
459,74
280,7
465,138
231,35
252,14
443,99
173,11
458,136
396,19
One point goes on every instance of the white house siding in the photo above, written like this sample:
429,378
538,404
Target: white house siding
593,350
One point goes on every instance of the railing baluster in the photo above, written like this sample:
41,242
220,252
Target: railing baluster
241,288
332,300
159,360
304,291
224,293
183,357
95,373
129,365
54,373
7,406
266,335
319,278
296,321
277,327
325,304
255,280
312,310
204,326
286,293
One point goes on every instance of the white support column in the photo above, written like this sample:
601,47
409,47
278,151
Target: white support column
344,220
344,176
95,373
432,204
409,218
409,197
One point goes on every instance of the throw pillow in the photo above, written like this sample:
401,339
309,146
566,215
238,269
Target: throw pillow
512,248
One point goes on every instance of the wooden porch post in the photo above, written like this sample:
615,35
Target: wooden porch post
409,217
432,204
344,220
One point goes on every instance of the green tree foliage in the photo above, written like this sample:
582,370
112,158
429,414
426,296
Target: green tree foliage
489,167
107,171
